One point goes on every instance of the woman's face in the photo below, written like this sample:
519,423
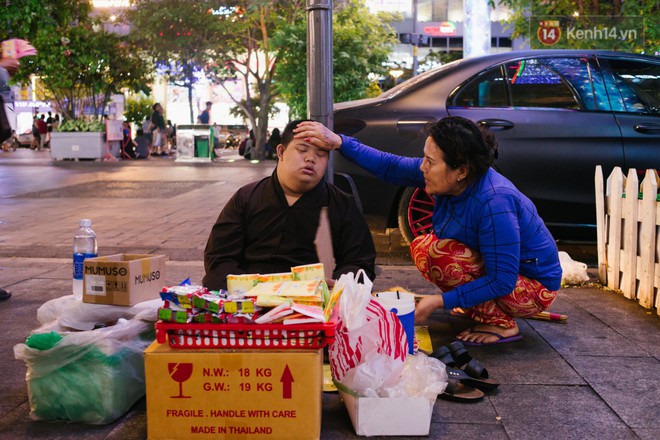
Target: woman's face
439,177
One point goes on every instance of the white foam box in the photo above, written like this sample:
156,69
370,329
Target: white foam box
233,394
123,279
389,416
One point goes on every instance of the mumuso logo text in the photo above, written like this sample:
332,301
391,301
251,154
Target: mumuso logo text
108,271
147,277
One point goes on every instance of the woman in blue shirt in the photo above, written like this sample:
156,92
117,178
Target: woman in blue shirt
490,253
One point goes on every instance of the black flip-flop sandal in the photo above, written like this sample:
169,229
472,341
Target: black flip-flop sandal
475,369
443,354
457,392
466,362
459,353
483,384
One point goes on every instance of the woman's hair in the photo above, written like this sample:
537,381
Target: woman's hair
464,143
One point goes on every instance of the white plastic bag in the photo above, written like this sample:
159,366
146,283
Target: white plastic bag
74,314
422,376
573,272
370,345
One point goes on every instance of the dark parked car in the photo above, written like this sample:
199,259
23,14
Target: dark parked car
556,114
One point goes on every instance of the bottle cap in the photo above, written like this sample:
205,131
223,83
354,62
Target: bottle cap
85,223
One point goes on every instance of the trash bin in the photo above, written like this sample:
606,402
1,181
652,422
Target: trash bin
194,143
202,146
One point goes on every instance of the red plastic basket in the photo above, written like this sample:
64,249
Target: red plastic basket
252,336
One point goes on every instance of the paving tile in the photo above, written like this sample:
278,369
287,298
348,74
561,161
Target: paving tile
627,317
17,425
481,413
629,385
530,412
584,333
647,434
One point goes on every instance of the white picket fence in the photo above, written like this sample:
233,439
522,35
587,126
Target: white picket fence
628,221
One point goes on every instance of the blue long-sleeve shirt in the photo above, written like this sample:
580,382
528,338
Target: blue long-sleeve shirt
491,216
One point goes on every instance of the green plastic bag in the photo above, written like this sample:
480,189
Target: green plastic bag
91,376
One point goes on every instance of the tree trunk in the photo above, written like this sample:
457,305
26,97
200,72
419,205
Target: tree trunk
262,121
190,103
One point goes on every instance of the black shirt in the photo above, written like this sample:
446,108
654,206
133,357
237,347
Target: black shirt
258,232
158,120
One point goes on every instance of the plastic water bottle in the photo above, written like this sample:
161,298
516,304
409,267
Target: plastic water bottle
84,246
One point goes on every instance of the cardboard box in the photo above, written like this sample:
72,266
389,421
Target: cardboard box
123,279
388,415
233,394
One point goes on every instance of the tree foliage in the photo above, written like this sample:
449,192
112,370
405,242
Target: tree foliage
78,64
138,107
26,18
361,45
226,41
592,14
248,51
177,36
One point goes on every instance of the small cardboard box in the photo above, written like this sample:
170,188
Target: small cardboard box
233,394
388,415
123,279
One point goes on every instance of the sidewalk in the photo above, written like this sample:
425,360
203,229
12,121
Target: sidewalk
595,377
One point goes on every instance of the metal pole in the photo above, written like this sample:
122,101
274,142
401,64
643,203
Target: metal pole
319,67
415,36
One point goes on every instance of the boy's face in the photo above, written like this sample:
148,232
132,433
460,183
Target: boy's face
301,166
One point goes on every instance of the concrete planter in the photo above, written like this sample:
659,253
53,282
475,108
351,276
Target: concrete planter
77,145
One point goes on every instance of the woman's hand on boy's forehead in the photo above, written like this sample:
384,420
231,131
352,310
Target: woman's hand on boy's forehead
318,135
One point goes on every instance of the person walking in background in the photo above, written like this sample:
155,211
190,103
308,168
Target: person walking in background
49,127
36,137
249,147
8,67
171,134
489,252
43,131
158,131
146,129
205,116
273,141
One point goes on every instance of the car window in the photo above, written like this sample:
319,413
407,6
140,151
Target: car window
487,90
637,84
585,80
535,84
565,83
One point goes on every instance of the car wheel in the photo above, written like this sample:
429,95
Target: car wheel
415,213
